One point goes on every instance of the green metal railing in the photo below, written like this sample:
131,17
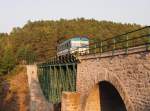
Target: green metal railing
57,75
136,38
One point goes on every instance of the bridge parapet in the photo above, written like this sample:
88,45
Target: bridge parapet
128,74
122,44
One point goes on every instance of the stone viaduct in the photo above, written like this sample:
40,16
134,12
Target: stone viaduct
110,77
118,83
112,83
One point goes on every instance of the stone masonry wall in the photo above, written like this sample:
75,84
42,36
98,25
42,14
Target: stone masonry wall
92,102
37,99
70,101
129,74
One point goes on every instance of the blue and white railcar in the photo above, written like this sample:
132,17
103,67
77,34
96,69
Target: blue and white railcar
76,44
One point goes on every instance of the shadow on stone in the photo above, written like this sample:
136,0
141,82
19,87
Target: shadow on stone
110,99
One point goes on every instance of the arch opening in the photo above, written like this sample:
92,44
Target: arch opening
110,99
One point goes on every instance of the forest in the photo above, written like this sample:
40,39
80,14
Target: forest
39,39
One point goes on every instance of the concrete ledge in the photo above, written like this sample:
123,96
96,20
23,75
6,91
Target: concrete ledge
70,101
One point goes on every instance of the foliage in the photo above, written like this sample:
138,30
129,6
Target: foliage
40,38
25,55
8,61
3,35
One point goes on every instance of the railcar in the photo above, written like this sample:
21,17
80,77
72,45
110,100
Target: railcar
78,44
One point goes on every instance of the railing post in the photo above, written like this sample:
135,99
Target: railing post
114,46
56,85
127,44
50,84
45,80
101,47
77,52
74,77
95,47
148,40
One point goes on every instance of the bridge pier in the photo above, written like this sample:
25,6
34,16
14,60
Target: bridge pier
37,99
70,101
93,101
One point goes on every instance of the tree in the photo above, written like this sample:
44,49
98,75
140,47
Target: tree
8,61
25,55
3,35
43,36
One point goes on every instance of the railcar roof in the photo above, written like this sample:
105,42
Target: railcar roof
76,38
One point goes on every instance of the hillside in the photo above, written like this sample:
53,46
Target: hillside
39,39
14,92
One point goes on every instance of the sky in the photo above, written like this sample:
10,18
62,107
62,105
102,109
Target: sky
16,13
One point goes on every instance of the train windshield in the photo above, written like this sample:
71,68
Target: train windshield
79,42
69,46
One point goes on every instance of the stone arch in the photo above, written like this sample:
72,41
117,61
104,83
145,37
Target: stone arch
94,93
110,99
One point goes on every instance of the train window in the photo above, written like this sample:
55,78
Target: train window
72,44
84,45
68,45
65,46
